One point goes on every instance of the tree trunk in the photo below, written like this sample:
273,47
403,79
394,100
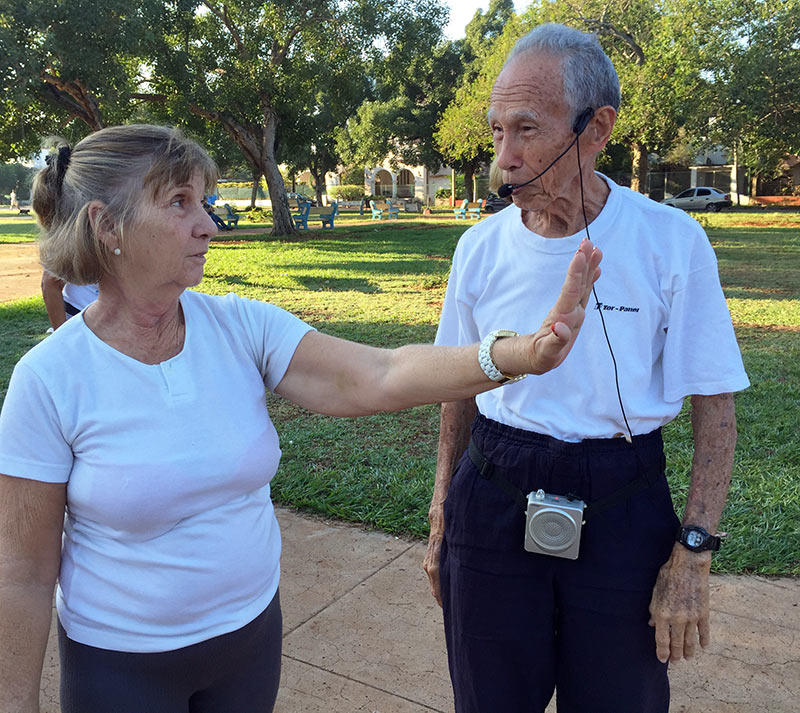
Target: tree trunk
317,186
282,223
639,167
254,192
468,183
257,144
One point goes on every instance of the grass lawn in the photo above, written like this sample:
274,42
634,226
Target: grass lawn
383,283
16,228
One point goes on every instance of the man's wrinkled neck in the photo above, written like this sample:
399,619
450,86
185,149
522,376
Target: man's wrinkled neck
564,216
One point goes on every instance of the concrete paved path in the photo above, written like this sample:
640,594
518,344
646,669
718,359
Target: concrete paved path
362,635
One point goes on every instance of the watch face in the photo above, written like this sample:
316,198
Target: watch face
694,539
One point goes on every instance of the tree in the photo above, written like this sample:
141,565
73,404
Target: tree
253,67
13,177
414,82
655,47
462,134
753,65
69,67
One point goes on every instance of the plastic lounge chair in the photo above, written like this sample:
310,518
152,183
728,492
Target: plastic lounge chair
474,209
377,210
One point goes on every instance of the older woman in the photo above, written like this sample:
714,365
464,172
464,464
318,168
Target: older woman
158,443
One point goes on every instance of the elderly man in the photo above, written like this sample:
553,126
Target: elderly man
525,613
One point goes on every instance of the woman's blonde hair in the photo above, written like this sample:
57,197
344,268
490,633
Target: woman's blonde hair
119,167
495,176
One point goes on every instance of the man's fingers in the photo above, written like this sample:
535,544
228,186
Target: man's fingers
689,642
431,566
677,633
662,640
705,631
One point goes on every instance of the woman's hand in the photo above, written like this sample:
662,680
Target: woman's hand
548,347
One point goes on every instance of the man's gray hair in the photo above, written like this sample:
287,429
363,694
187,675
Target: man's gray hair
590,79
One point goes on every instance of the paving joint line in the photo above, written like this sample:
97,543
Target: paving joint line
344,594
363,683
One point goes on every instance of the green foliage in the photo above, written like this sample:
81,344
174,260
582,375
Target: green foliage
346,192
70,67
416,81
753,64
258,215
15,176
353,176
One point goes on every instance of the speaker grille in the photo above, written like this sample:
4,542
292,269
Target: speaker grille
552,529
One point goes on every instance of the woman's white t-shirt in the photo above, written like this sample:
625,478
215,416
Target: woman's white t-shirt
170,536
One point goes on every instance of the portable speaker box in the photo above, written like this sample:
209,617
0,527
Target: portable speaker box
553,525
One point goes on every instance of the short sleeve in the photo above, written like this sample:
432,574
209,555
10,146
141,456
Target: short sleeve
272,335
32,443
457,325
701,355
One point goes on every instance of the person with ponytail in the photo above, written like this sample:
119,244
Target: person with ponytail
143,420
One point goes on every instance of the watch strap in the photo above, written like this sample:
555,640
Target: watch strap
486,361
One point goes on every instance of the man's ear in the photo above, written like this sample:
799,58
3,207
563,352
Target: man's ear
598,132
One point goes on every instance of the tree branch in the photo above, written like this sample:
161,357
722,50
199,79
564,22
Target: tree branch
225,19
75,98
601,26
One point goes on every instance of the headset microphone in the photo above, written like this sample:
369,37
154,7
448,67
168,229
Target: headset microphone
578,128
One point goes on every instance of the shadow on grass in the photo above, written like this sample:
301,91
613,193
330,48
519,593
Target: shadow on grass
336,283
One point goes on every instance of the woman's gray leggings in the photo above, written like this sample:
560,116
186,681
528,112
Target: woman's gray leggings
237,672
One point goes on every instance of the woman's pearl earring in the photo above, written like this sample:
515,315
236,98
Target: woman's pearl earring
117,251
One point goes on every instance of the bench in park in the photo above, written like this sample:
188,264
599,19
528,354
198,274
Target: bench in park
325,214
381,209
461,210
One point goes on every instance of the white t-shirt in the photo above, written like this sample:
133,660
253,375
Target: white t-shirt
79,296
170,536
663,306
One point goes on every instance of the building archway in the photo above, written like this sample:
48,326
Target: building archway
383,183
405,184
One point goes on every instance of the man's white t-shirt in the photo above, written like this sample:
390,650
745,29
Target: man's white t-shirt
170,536
659,295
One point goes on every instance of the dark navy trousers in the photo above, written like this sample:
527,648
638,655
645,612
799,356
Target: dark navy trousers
520,625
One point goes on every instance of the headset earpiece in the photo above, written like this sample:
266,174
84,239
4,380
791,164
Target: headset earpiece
583,121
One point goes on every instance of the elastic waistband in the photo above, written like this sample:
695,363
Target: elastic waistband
484,427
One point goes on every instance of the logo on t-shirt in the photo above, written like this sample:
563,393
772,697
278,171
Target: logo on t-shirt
615,308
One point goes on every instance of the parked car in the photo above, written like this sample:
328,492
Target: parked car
700,199
302,197
494,204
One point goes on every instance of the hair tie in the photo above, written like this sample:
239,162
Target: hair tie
62,162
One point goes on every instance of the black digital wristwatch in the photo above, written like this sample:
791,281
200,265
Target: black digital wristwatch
696,539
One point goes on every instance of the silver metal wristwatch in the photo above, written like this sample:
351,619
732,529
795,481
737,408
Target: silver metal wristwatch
485,357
